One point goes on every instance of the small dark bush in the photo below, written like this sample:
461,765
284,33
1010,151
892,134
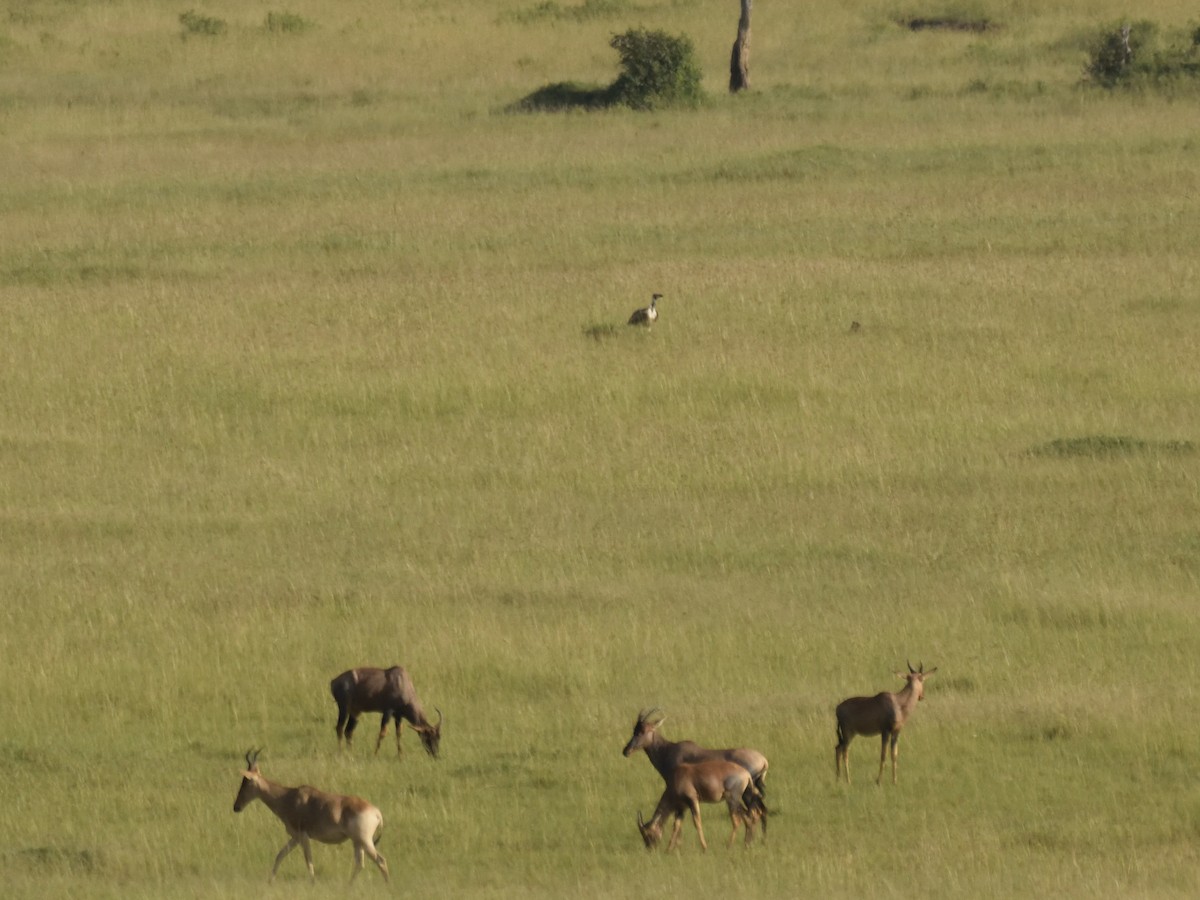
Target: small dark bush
195,23
549,10
1136,55
286,23
658,70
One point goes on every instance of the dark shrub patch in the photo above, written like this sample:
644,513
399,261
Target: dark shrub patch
1105,445
195,23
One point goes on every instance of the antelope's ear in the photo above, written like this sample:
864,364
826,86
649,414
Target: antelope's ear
246,774
901,676
931,671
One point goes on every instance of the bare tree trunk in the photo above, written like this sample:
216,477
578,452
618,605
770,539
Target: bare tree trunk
739,61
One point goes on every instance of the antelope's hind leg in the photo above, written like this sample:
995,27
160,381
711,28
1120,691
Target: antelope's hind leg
399,725
895,753
379,861
306,846
883,752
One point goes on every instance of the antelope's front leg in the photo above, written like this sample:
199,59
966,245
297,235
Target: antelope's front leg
883,749
895,754
675,832
287,848
387,717
399,725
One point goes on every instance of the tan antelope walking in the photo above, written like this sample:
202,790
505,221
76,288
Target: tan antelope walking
884,714
387,691
312,815
713,781
666,755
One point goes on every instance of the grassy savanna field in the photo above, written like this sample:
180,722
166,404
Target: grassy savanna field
305,367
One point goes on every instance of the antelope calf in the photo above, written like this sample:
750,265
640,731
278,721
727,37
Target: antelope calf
387,691
666,755
884,714
712,781
312,815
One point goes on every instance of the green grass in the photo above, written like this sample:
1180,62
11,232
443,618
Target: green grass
316,357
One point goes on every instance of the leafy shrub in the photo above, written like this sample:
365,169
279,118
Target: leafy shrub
195,23
658,70
286,23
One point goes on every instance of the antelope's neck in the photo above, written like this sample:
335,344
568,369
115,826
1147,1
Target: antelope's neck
273,795
907,700
659,750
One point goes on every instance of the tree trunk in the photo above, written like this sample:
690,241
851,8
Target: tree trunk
739,61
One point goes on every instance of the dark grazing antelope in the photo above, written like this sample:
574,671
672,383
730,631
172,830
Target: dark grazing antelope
647,315
713,781
312,815
666,755
387,691
884,714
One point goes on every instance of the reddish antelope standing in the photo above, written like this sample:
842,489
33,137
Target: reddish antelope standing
387,691
712,781
312,815
666,755
884,714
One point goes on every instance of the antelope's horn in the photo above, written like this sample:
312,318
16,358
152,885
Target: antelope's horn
641,824
439,712
921,666
910,668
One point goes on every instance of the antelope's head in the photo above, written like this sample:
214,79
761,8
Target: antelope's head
250,781
431,735
651,832
643,730
916,678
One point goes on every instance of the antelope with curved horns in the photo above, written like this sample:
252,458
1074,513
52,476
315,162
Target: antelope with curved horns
312,815
713,781
884,714
666,755
387,691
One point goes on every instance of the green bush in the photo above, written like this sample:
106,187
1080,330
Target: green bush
657,70
195,23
